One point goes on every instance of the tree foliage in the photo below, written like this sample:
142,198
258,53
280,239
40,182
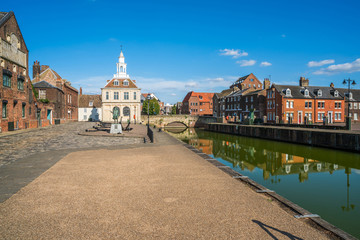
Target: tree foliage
154,107
173,109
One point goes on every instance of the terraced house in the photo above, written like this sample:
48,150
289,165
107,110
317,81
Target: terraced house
19,109
304,104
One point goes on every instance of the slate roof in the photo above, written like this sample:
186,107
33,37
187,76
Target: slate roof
226,92
44,84
237,93
4,16
85,99
298,92
355,93
242,79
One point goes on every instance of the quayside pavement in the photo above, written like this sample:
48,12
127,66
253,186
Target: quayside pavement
143,191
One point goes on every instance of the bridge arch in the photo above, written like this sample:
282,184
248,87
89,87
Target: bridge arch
176,124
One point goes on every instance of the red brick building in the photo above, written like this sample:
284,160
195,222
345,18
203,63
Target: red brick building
248,81
196,103
304,103
19,109
70,94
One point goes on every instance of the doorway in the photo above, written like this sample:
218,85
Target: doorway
330,117
300,117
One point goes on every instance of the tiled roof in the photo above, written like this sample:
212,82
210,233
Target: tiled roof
85,99
206,97
121,83
44,84
298,92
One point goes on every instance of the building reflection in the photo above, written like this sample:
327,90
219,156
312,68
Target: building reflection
273,158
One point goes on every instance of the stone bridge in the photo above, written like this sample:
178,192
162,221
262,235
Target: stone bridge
177,120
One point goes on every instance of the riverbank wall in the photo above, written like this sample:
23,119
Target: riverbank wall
335,139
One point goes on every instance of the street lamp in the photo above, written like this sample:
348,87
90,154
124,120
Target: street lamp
148,108
348,119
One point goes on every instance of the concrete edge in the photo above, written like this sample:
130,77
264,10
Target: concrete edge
285,203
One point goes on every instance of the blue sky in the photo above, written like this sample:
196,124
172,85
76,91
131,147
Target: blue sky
172,47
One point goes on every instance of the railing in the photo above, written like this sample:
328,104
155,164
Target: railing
150,134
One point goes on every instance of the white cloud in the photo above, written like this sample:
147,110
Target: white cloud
320,63
218,79
235,53
338,68
246,63
191,84
173,94
265,64
91,85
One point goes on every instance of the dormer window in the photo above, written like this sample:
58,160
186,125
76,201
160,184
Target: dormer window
306,93
126,83
350,96
319,93
336,93
116,83
288,92
91,103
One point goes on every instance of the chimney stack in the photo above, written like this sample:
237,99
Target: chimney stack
266,83
80,91
44,67
304,82
332,85
36,69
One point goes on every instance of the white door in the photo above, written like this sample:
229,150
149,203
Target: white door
330,117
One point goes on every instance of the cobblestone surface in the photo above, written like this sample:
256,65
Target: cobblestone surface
59,137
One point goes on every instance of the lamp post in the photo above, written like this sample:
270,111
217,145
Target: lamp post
348,119
148,109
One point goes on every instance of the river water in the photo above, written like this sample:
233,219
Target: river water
323,181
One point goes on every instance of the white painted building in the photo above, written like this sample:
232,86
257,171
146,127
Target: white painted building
89,107
121,92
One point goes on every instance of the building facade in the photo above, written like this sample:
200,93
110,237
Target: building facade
89,107
18,106
121,93
69,101
197,103
248,81
219,101
304,104
49,93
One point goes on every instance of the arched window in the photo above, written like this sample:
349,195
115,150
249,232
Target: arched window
121,69
288,92
319,93
116,83
306,93
126,111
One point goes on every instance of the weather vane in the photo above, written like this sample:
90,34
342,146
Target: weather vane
121,47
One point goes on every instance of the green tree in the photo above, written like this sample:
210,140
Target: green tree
173,109
154,107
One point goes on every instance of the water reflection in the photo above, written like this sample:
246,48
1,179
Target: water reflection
323,181
274,158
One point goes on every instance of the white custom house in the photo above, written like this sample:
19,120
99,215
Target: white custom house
121,92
